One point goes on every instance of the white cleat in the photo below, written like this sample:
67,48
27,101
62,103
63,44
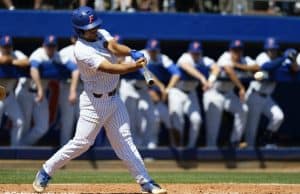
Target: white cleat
41,181
152,187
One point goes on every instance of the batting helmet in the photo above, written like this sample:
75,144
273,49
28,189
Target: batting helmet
85,18
6,41
271,43
153,45
195,47
236,44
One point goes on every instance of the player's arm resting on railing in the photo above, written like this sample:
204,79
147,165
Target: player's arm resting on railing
35,75
214,73
123,68
193,72
21,62
73,86
244,67
233,77
5,60
175,72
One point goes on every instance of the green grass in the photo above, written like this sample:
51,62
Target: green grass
68,176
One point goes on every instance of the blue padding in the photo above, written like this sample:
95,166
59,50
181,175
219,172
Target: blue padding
201,154
10,71
173,26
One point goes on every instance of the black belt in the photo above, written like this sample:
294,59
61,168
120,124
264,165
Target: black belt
221,92
260,93
112,93
32,90
186,91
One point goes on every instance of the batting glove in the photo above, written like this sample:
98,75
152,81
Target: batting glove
136,54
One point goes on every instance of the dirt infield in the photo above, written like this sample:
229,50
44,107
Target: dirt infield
172,188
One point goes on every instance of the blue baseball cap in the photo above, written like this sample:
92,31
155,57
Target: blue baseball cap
271,43
153,45
50,40
118,38
236,44
195,47
6,41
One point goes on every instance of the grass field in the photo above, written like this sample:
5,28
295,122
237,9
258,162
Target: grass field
112,177
23,176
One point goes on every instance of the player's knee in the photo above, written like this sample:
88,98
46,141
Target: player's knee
19,123
195,118
81,144
143,105
176,121
278,116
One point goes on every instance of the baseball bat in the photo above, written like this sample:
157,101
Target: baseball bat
148,76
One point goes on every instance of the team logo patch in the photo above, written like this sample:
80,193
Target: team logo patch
153,43
7,38
51,38
237,43
196,45
91,18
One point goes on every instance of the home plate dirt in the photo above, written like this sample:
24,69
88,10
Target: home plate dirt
172,188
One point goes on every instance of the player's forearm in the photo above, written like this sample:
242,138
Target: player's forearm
35,75
244,67
193,72
231,74
119,68
74,81
118,49
173,81
21,62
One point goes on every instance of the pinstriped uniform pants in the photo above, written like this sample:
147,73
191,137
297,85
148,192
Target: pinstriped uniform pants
111,113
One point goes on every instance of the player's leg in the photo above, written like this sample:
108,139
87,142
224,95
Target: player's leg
194,115
213,107
67,113
25,100
275,115
14,113
87,128
177,100
255,105
41,123
118,132
239,109
164,115
147,117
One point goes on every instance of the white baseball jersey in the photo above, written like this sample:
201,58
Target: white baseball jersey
203,64
92,54
67,53
9,83
266,87
226,60
40,57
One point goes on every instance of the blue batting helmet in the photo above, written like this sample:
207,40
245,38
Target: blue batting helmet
271,43
50,40
153,45
85,18
195,47
6,41
236,44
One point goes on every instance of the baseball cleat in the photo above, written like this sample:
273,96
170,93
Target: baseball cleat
41,181
152,187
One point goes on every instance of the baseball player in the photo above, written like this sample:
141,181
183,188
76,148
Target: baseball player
183,100
46,64
259,99
9,105
95,52
68,96
222,97
167,74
